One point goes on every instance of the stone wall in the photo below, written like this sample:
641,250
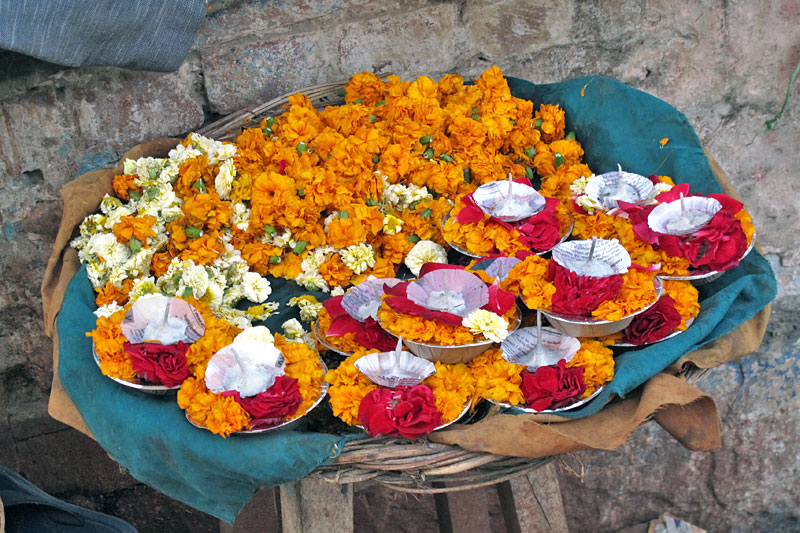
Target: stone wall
726,65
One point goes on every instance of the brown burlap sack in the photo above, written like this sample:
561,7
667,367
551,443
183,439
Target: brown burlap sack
684,411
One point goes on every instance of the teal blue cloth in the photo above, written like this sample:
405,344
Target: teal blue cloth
150,437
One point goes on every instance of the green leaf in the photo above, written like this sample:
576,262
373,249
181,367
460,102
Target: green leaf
269,229
154,173
414,239
370,202
274,259
301,193
200,186
570,136
151,192
341,92
268,132
299,247
376,159
359,101
193,233
445,157
426,213
530,152
475,116
428,153
344,214
467,175
134,244
373,118
271,122
301,147
539,122
425,139
135,195
380,103
558,160
529,173
187,291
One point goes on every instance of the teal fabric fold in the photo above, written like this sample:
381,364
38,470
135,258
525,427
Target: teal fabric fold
150,437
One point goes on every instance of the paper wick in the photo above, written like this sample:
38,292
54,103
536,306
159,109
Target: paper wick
238,360
683,206
538,332
591,250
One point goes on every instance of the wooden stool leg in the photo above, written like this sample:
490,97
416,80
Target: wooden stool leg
532,503
464,511
313,505
260,514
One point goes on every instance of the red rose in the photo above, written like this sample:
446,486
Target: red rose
580,295
552,386
719,245
269,407
164,364
541,231
500,301
470,213
654,324
372,335
407,411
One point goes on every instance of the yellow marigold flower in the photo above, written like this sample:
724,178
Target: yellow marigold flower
553,122
453,386
496,379
686,299
637,292
366,86
139,228
597,361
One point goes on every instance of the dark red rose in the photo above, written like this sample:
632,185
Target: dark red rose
541,231
719,245
268,408
372,335
654,324
407,411
552,386
580,295
164,364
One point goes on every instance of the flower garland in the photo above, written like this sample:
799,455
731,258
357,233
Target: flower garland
548,387
411,412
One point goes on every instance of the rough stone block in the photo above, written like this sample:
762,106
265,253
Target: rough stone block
505,28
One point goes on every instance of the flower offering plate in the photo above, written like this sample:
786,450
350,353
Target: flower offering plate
557,410
689,322
156,390
709,276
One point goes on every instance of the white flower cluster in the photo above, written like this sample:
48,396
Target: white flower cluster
308,305
424,252
222,284
294,332
403,196
486,323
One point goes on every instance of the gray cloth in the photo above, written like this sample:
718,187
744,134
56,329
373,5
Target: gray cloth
134,34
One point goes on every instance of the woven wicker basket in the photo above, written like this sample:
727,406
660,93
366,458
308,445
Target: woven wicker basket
418,466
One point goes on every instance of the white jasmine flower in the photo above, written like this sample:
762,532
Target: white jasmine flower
392,225
107,310
109,204
223,183
232,295
424,252
181,153
141,287
490,325
106,247
256,288
588,204
213,295
240,218
358,258
661,187
312,280
195,277
293,329
393,193
309,307
256,333
337,291
414,194
579,185
235,317
97,273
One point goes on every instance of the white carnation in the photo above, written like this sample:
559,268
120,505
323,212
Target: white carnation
182,153
579,185
108,248
588,204
240,218
358,258
97,273
256,333
293,329
141,287
107,310
486,323
223,183
256,288
337,291
214,295
312,280
424,252
195,277
392,225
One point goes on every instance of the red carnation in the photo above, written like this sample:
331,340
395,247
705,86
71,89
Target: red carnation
552,386
407,411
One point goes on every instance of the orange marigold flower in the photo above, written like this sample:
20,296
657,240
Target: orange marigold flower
453,387
139,228
553,122
111,293
124,184
335,272
597,362
366,86
160,263
203,250
493,84
636,293
496,379
686,299
208,210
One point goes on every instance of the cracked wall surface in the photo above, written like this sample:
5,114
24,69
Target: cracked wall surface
725,65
